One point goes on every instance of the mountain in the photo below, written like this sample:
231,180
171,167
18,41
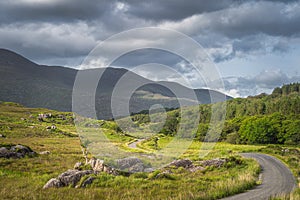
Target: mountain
33,85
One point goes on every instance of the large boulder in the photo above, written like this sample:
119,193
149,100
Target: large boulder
68,178
54,182
16,151
130,164
72,177
99,166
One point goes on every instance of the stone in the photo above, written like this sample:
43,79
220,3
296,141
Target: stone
88,181
97,164
44,152
139,167
2,136
54,182
41,117
195,168
78,165
218,162
72,177
3,151
126,163
130,164
148,170
185,163
16,151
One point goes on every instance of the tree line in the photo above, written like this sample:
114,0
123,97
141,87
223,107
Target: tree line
260,119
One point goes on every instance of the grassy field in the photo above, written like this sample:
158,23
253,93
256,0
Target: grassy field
24,178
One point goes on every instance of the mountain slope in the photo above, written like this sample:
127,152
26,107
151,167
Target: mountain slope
34,85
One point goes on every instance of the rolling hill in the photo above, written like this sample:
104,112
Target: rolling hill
33,85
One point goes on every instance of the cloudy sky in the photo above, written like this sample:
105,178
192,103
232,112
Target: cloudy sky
254,44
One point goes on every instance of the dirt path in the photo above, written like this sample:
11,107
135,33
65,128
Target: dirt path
276,179
133,144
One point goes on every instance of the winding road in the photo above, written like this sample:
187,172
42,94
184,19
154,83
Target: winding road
134,144
276,179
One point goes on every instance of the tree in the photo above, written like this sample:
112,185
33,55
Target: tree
258,130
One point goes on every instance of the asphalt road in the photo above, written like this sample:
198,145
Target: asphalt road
276,179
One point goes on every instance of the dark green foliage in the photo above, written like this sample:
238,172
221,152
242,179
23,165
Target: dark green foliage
263,119
170,126
258,130
291,132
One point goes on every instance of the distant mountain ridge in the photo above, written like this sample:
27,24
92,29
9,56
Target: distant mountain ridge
33,85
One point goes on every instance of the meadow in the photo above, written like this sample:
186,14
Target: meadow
24,178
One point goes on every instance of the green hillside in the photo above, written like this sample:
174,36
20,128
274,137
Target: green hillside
261,119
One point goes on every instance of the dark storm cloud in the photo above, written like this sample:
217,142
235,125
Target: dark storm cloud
70,28
174,9
53,11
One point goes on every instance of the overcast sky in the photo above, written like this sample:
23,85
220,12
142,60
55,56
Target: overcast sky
254,44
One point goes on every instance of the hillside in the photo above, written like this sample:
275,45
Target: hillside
273,118
33,85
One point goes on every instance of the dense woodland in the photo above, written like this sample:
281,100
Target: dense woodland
261,119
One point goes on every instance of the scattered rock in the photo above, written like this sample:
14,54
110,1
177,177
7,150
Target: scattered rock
218,162
4,151
2,136
78,165
16,151
72,177
196,168
164,174
185,163
44,152
41,117
148,170
96,164
99,166
54,182
130,164
88,181
51,127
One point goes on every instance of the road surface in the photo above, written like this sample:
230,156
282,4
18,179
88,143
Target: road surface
276,179
133,144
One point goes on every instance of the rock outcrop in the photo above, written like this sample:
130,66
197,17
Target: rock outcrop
16,151
218,162
127,165
131,165
185,163
68,178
